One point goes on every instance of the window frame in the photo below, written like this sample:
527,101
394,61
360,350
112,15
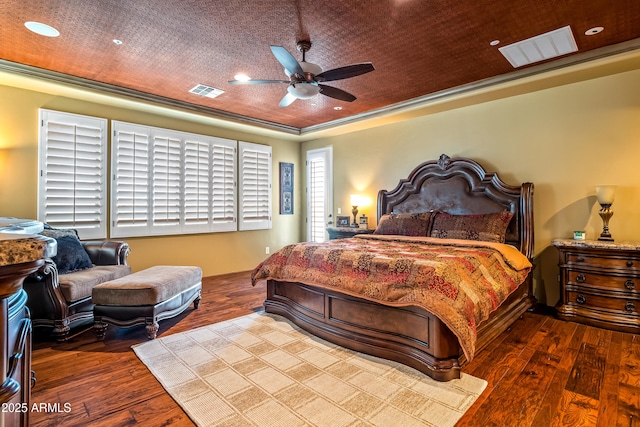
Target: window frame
88,178
250,186
326,155
173,191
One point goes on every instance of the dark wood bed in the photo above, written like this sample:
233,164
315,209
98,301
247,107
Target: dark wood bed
412,335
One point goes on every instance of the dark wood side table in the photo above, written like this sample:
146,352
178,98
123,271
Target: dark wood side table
346,232
600,283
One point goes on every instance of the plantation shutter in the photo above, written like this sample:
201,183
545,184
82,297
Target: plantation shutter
223,185
196,182
130,214
319,193
72,165
168,182
210,185
166,179
255,186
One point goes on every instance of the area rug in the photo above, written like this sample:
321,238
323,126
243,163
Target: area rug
262,370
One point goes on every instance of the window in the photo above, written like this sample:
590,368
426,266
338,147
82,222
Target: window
130,187
169,182
255,186
72,166
319,192
210,185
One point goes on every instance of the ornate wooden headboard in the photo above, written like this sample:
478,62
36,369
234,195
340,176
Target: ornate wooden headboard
461,186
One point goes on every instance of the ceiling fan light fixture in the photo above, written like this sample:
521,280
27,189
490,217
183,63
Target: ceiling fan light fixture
303,90
307,67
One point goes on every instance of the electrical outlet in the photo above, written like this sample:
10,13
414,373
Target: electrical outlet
267,250
339,211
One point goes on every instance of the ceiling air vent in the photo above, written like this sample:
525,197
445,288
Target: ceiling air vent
545,46
208,91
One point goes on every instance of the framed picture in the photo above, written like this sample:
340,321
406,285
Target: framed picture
286,188
342,221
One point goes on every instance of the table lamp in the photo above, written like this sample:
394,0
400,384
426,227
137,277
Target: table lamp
605,194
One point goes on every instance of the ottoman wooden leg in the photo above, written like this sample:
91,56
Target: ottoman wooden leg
101,328
196,303
152,328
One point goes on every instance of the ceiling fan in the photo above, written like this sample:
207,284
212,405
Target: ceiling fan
305,78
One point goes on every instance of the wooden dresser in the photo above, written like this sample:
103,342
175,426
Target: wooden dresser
20,255
600,283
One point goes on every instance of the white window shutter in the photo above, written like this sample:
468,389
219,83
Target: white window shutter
166,179
209,184
223,185
255,186
168,182
130,189
72,181
196,184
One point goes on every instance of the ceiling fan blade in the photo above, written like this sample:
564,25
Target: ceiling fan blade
256,82
287,60
334,92
345,72
287,100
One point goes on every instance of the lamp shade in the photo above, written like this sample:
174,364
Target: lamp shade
355,200
605,194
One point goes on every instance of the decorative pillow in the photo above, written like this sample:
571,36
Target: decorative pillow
71,255
486,227
405,224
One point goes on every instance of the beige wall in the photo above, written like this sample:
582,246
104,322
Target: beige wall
566,132
565,139
216,253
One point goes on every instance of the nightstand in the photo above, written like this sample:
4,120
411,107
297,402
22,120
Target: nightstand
600,283
346,232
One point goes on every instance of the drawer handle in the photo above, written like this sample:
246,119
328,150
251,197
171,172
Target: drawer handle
629,284
580,259
580,278
629,263
629,307
580,299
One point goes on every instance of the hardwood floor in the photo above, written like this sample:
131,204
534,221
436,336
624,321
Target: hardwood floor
541,372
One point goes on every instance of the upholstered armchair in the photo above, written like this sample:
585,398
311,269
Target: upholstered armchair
62,301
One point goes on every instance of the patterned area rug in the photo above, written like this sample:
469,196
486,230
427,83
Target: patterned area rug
262,370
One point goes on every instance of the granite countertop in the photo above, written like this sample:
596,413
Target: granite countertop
21,248
634,246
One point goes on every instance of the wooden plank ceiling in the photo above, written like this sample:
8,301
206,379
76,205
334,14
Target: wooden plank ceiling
417,47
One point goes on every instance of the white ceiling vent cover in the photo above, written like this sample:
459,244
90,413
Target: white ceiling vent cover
208,91
545,46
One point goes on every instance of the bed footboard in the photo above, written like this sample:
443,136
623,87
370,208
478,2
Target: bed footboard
409,335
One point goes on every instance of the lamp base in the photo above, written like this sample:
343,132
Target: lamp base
354,211
605,213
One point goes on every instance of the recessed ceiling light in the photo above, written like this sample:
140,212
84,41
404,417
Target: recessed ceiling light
242,77
594,30
42,29
118,42
495,43
337,108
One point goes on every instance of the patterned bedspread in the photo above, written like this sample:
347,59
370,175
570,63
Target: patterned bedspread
459,281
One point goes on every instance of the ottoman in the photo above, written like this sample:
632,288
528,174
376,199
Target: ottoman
146,297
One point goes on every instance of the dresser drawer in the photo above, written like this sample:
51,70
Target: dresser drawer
622,305
579,259
607,281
